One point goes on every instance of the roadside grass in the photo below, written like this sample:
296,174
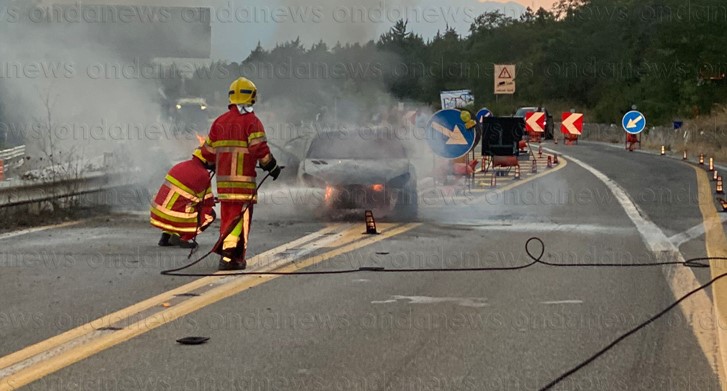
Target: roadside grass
705,134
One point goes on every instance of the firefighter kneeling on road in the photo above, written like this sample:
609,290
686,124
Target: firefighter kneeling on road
184,205
237,143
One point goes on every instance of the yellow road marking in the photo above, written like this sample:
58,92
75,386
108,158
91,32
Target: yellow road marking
130,311
547,171
235,286
716,243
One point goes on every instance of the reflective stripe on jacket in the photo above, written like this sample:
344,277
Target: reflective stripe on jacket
236,143
185,192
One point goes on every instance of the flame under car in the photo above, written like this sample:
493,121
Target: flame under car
360,170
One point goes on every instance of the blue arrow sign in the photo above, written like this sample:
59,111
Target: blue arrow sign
634,122
484,112
447,135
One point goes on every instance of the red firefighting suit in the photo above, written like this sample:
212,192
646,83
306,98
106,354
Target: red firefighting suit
236,143
185,192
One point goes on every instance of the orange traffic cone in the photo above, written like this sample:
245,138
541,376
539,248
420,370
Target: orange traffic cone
715,175
711,164
663,150
550,162
540,151
684,156
720,187
517,172
723,203
370,223
701,159
555,160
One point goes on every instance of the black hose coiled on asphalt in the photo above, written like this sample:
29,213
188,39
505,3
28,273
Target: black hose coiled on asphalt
536,259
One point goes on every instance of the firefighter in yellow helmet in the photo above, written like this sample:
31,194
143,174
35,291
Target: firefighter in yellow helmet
236,145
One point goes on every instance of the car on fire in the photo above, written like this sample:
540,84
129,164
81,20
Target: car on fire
366,169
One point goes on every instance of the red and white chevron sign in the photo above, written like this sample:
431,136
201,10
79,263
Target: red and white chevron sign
572,124
535,122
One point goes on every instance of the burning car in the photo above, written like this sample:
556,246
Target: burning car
359,170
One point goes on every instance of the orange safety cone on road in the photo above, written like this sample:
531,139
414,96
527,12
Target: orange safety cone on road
550,162
684,156
370,223
517,172
715,175
555,160
701,159
540,151
663,150
723,203
720,187
711,164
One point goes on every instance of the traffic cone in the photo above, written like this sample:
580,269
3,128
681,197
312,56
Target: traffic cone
550,161
517,172
534,168
723,203
701,159
684,156
663,150
715,175
370,223
720,188
711,164
540,151
555,160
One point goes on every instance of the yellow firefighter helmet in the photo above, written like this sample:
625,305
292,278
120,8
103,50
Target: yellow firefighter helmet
242,92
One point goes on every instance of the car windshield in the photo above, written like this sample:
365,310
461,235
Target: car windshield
522,112
359,147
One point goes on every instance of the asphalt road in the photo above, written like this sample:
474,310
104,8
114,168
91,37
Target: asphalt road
499,330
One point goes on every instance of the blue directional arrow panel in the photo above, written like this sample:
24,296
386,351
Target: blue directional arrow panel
447,135
634,122
482,114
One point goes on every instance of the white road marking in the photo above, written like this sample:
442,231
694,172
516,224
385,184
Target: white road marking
15,234
681,280
475,302
562,302
547,227
692,233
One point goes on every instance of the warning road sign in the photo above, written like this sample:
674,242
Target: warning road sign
505,79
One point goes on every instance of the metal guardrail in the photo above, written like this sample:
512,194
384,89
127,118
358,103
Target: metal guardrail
20,192
12,153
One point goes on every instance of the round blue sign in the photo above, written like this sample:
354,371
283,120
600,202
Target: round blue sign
447,135
484,112
634,122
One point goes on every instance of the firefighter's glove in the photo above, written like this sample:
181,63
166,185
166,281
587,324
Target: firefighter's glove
272,168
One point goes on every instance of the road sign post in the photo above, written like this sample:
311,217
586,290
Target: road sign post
535,125
448,136
634,122
505,79
571,127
